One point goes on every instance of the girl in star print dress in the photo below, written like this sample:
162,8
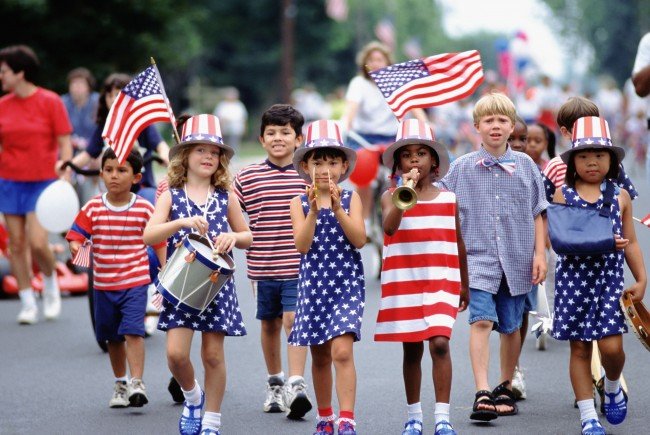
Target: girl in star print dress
328,229
588,288
199,201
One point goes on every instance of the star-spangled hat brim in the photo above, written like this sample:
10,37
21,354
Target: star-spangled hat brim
350,154
440,149
227,150
582,145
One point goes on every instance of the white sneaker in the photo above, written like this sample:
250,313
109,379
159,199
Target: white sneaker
518,384
540,342
28,315
137,393
119,399
51,304
274,401
295,398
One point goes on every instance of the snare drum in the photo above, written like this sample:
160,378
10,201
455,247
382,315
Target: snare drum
192,277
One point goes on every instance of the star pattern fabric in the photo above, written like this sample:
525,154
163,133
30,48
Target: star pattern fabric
331,293
587,289
223,314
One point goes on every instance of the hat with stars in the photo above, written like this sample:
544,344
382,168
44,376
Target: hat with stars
591,132
323,134
201,129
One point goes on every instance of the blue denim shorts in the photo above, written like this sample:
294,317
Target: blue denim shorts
119,313
504,310
531,300
19,197
275,297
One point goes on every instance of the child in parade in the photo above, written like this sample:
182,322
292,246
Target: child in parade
199,201
500,196
114,223
588,287
264,191
424,272
328,231
541,139
518,140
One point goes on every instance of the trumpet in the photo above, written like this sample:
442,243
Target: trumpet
405,196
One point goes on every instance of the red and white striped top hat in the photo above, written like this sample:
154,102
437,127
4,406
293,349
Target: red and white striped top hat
413,132
592,132
201,129
323,134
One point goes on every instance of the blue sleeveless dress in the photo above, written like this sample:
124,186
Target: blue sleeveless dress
587,289
223,314
331,293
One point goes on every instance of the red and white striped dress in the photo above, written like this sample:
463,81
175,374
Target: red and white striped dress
420,277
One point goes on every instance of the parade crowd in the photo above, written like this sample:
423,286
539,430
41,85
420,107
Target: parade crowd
473,236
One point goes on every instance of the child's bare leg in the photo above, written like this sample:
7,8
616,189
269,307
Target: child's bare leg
117,355
580,369
321,373
346,374
509,354
135,355
270,337
439,349
412,370
296,355
479,352
612,356
179,341
214,364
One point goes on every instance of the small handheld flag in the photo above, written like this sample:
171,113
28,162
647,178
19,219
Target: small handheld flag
645,221
82,258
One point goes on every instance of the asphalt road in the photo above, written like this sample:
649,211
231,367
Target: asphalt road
55,380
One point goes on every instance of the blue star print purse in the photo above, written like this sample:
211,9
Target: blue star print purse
582,231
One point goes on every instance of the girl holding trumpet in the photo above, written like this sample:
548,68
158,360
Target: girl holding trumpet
424,281
199,200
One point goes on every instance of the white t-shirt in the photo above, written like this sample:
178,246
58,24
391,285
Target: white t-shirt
373,115
642,61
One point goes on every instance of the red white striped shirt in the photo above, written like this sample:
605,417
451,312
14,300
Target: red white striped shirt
120,258
555,171
420,276
265,191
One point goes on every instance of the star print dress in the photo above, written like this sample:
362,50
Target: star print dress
331,290
588,288
223,314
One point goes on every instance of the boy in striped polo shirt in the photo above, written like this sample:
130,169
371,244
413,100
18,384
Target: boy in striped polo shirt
265,190
114,222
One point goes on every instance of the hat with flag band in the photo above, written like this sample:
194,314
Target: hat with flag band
416,132
591,132
201,129
323,134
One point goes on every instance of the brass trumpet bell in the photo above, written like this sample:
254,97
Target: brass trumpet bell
405,197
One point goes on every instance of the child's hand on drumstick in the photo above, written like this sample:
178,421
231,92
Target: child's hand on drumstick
198,223
335,193
223,243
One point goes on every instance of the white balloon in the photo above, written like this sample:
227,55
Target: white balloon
57,206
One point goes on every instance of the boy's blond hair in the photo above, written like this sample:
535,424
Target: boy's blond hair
494,103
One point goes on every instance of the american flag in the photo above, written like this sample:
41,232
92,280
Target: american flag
431,81
141,103
82,258
385,31
645,221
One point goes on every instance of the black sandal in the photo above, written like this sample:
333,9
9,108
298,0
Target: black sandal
483,397
503,396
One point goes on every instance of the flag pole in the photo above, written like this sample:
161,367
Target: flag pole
169,107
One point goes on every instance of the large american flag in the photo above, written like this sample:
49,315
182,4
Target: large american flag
430,81
141,103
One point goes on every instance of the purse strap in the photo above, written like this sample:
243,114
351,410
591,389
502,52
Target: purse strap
608,199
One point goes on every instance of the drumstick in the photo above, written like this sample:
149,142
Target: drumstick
595,366
329,179
313,180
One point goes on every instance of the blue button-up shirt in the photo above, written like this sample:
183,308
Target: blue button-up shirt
497,214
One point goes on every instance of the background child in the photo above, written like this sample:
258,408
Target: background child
541,140
265,191
114,222
592,164
198,200
424,271
518,140
328,230
505,252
